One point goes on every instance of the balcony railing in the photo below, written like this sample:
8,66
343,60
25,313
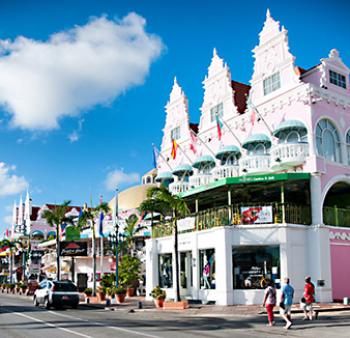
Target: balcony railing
225,171
254,164
243,214
198,180
336,216
289,154
179,187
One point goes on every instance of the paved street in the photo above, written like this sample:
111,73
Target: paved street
18,318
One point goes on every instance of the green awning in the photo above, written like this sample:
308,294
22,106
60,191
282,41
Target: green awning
203,161
255,139
37,233
227,151
164,176
290,125
183,169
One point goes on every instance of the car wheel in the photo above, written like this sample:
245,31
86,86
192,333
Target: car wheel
75,306
35,301
47,303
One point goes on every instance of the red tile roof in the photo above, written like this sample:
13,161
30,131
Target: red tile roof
241,92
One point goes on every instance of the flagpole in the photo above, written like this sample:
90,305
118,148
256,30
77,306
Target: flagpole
166,162
101,243
197,135
251,105
230,130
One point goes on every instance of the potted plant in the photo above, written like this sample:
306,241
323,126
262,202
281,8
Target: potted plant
88,292
23,288
159,296
101,293
12,287
129,273
120,293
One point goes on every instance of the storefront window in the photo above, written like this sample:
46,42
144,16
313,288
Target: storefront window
253,265
207,268
186,269
165,270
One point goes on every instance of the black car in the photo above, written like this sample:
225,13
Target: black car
56,294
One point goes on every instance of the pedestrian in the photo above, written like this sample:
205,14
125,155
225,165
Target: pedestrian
286,303
308,299
270,301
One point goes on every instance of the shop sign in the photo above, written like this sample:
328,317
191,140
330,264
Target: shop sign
257,215
187,223
36,254
252,179
73,248
72,233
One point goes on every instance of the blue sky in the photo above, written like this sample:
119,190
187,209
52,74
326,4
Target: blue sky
114,132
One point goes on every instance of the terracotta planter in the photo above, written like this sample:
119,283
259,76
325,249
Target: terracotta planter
120,298
101,296
159,303
183,304
130,292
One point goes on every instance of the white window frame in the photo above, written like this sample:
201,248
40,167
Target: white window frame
337,79
323,126
218,109
272,83
175,133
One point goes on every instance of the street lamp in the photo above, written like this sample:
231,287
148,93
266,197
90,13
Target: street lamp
116,228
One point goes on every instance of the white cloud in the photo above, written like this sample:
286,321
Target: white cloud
74,70
118,177
10,184
73,137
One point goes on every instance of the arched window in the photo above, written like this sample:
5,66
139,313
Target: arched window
257,149
328,141
148,180
348,145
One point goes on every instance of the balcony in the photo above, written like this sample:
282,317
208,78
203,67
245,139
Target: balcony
242,214
225,171
179,187
287,155
200,179
254,164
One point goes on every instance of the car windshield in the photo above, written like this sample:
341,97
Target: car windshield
65,286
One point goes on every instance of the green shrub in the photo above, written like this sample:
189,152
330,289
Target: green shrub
158,293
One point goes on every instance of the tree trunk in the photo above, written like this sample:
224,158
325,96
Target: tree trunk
93,260
58,267
177,279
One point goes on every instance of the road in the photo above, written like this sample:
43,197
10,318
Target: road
19,318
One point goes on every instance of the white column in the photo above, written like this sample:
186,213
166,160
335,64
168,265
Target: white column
195,267
316,195
151,266
223,268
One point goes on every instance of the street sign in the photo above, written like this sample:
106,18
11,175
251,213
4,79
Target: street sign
73,248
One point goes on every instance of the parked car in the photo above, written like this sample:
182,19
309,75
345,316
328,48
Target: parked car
56,294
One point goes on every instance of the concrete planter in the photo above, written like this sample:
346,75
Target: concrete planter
181,305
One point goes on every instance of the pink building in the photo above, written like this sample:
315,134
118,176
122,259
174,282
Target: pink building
267,178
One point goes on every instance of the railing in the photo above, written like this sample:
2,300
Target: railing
225,171
254,164
243,214
178,187
336,216
290,154
198,180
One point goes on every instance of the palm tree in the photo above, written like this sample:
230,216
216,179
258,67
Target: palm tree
56,217
131,230
88,218
159,199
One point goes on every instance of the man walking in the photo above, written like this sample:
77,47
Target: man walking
286,303
309,297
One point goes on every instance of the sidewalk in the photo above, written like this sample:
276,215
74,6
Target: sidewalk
140,304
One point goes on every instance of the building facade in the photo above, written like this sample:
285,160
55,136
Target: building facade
266,177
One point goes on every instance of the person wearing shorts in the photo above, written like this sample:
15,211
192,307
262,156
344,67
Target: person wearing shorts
286,302
308,298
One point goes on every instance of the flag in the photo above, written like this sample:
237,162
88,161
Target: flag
174,149
7,234
100,225
155,156
219,126
194,138
253,117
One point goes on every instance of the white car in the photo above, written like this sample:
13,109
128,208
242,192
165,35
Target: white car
56,294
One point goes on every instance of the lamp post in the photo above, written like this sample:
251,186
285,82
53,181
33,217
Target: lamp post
116,228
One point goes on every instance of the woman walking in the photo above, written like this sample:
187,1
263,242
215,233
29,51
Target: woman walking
270,301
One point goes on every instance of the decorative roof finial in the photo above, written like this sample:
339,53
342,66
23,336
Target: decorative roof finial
215,53
175,80
268,14
334,53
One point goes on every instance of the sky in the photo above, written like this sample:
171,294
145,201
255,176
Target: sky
83,84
